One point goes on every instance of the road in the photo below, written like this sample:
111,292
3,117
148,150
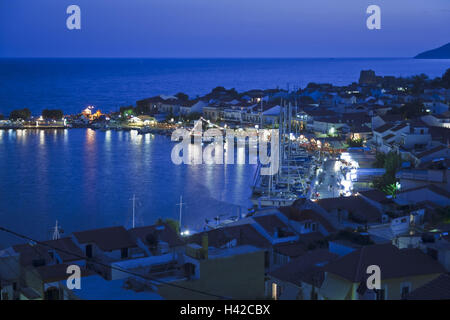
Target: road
332,179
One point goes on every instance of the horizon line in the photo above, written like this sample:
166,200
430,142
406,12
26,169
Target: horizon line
193,58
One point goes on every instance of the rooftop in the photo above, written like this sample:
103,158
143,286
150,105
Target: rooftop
394,262
437,289
107,239
307,268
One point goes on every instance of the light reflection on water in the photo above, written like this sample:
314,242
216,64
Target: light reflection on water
85,178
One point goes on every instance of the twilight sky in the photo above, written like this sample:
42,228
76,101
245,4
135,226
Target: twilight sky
222,28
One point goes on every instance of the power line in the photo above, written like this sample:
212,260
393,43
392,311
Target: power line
110,266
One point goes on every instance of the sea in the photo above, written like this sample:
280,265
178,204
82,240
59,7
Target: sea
86,179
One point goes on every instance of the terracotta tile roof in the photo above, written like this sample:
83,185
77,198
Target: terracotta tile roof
32,253
440,134
394,263
432,187
107,239
163,232
291,249
40,253
271,223
66,246
384,128
431,151
296,214
297,248
376,195
242,234
58,272
355,205
307,268
399,127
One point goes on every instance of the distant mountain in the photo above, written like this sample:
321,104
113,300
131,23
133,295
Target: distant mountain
438,53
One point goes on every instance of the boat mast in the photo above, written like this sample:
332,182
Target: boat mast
134,210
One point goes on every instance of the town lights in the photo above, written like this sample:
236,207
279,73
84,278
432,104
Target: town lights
185,233
332,131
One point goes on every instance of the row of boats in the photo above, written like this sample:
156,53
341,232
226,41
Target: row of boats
296,167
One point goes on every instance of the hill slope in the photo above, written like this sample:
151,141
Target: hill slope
438,53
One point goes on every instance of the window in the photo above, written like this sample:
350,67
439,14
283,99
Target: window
405,288
89,251
381,294
314,295
274,291
124,253
51,294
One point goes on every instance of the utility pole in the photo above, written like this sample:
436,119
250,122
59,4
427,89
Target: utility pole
181,208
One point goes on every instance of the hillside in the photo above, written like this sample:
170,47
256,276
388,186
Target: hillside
438,53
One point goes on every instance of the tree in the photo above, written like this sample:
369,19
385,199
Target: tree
182,96
355,142
126,111
172,223
380,157
1,117
391,189
52,114
312,85
411,110
23,114
418,83
446,79
440,215
391,162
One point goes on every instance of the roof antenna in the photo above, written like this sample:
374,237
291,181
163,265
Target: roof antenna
56,232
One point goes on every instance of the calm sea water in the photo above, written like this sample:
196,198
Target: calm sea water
84,178
72,84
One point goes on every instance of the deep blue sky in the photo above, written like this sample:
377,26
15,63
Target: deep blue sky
222,28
